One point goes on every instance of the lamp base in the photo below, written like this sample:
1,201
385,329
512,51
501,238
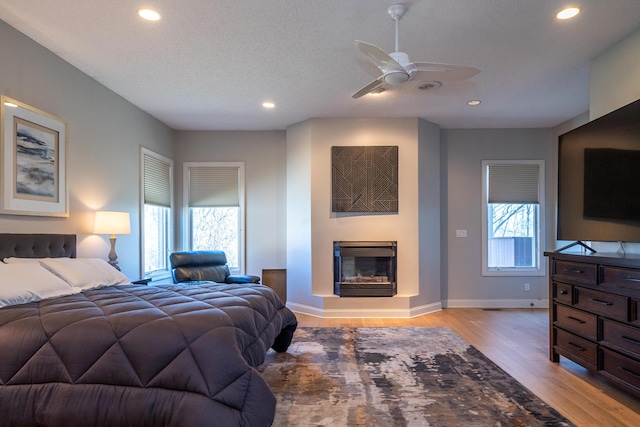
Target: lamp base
113,255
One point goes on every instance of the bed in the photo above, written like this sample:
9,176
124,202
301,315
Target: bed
132,354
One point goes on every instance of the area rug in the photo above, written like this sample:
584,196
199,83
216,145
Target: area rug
396,377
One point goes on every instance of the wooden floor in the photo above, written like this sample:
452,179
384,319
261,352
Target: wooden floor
518,341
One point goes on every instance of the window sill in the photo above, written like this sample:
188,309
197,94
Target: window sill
517,272
158,275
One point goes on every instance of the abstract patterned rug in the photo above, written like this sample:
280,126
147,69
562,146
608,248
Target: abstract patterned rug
396,377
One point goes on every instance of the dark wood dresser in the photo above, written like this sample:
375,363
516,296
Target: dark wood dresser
594,318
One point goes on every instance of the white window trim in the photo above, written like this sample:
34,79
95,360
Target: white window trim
186,232
516,271
160,274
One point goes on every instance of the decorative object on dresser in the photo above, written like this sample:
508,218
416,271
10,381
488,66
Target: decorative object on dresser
595,316
113,223
34,153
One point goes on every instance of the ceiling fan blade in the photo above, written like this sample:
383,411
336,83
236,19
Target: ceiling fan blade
442,72
368,88
379,57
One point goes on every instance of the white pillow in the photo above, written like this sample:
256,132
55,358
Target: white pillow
106,270
84,273
21,283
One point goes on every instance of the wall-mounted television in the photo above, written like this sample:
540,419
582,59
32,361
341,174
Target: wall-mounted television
599,179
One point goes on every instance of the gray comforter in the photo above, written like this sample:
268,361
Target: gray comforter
142,356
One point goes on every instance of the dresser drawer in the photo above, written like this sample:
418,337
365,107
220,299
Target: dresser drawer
605,304
573,346
576,321
621,277
562,293
623,336
587,273
621,367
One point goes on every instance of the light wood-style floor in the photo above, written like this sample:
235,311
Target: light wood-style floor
517,340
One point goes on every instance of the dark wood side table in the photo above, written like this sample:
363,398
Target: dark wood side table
276,279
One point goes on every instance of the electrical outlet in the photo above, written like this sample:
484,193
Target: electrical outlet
526,286
461,233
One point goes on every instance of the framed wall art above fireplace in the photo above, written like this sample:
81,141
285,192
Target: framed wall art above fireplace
34,161
364,179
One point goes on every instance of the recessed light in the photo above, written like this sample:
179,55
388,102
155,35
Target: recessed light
568,13
474,102
149,14
10,104
268,105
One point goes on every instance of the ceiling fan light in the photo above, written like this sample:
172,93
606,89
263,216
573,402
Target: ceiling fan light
396,78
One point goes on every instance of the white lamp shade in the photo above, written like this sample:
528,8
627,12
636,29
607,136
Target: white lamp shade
108,222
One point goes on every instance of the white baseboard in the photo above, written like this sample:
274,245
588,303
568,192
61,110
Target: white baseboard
305,309
500,303
425,309
364,313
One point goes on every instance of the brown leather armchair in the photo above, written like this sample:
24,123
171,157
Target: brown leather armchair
195,266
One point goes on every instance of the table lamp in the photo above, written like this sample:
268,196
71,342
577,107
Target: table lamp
113,223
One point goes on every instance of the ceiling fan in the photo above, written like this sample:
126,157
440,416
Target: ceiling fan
397,69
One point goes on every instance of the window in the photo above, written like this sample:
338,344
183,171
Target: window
157,194
214,194
512,217
156,218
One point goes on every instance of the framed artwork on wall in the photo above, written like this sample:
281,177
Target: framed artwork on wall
34,161
364,179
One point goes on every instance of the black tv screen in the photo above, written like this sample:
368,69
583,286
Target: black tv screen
599,179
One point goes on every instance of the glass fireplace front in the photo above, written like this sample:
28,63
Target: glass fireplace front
364,269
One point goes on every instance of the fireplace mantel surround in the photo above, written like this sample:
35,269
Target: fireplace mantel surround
312,226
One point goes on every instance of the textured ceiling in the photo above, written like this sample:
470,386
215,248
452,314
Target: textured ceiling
209,65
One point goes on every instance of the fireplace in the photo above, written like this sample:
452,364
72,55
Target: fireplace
364,269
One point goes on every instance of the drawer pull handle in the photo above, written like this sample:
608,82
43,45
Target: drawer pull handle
632,279
574,270
599,301
576,346
633,374
563,292
576,320
631,340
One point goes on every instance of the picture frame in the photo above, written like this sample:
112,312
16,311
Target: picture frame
364,179
33,157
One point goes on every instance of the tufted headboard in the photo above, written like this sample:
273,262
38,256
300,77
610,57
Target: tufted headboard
37,245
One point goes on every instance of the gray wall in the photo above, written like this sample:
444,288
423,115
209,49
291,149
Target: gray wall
105,134
463,151
613,77
430,188
264,157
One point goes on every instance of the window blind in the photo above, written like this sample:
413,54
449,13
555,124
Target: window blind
211,187
513,183
157,182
